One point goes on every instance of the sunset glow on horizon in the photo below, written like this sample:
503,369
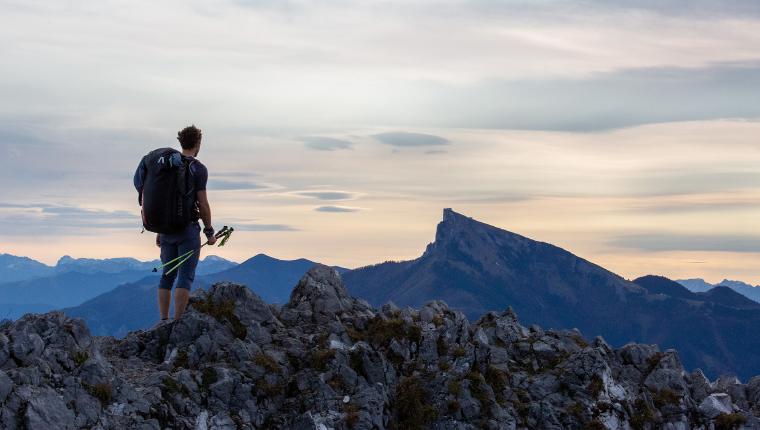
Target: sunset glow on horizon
338,132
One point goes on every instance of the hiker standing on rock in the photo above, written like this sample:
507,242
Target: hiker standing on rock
172,192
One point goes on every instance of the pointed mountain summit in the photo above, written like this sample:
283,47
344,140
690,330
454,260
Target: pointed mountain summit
475,268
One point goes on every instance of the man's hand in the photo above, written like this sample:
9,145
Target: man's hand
158,240
209,232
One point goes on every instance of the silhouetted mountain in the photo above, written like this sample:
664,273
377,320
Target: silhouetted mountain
13,268
662,285
106,265
213,264
81,283
476,267
696,285
125,308
63,289
743,288
728,297
724,296
133,306
269,277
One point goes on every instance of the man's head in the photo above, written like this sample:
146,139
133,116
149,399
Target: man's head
190,139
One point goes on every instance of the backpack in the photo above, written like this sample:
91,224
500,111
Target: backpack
167,194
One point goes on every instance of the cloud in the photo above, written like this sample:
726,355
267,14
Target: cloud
327,195
264,227
600,101
336,209
655,242
405,139
225,185
45,219
321,143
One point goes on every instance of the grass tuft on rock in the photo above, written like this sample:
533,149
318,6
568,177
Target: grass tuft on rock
222,311
413,412
731,421
267,362
102,392
80,357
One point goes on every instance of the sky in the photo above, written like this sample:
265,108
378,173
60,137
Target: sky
625,132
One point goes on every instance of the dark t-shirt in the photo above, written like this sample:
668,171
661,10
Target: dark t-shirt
199,172
200,177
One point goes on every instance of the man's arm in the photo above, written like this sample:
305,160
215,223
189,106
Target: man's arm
205,210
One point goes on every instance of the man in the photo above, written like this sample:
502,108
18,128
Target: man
174,245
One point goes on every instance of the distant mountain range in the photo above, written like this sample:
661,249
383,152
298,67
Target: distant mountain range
133,306
476,267
743,288
30,286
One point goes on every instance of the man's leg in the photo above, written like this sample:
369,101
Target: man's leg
169,251
190,242
164,299
181,297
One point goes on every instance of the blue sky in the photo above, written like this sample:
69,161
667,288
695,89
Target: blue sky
624,131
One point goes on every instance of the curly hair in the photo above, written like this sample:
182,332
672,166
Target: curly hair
189,137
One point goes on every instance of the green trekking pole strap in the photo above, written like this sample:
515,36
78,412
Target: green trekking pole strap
180,263
223,234
155,269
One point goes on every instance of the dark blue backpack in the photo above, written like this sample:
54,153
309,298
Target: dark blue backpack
166,191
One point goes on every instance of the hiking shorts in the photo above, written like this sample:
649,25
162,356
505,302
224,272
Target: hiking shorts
174,245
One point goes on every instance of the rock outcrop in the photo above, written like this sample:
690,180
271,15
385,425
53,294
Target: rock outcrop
327,360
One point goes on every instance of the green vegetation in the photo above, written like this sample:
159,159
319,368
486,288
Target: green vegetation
412,409
171,387
267,362
441,346
265,388
337,384
80,357
729,421
497,379
642,415
320,358
459,351
580,341
181,360
596,386
437,320
478,390
665,397
576,411
654,360
352,414
102,392
381,331
455,387
222,311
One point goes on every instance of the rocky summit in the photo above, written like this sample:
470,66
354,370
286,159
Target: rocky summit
326,360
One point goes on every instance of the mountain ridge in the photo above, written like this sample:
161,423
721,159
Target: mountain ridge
477,267
326,359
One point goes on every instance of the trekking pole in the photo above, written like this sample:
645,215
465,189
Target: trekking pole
224,233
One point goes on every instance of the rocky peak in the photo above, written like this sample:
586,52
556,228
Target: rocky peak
320,296
327,360
460,235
